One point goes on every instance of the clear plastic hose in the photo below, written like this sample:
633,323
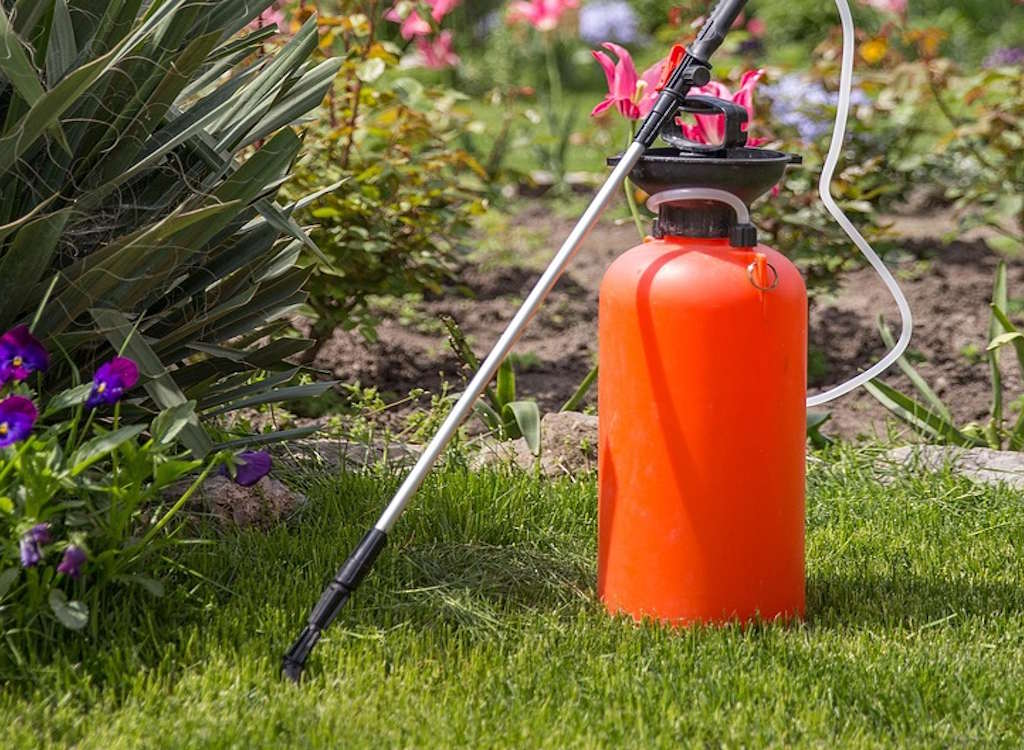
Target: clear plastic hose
824,189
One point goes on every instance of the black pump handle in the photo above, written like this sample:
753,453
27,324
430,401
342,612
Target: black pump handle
692,70
699,104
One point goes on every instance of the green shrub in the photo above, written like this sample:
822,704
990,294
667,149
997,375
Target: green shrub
408,191
141,148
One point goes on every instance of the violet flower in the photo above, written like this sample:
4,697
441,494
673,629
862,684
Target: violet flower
806,105
32,542
21,354
251,467
609,20
111,381
72,562
1005,57
17,416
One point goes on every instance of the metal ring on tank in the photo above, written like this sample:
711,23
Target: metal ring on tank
775,277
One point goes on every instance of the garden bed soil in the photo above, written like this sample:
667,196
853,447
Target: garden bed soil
948,286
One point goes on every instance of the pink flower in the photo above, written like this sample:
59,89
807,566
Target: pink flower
269,17
437,53
633,95
899,7
543,15
413,24
755,27
711,128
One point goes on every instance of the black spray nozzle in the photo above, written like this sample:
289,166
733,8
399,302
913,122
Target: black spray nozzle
332,600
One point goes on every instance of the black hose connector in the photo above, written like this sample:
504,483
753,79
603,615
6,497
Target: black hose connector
332,600
743,235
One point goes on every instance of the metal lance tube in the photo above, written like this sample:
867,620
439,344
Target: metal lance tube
692,69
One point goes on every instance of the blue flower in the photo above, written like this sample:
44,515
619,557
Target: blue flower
21,354
1005,57
17,416
609,20
805,105
32,542
72,562
251,467
111,381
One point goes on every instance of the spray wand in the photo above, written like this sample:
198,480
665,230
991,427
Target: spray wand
686,68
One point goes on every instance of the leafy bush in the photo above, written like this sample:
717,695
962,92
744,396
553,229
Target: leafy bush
141,148
986,113
407,190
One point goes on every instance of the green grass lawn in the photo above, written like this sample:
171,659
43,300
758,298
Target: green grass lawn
479,628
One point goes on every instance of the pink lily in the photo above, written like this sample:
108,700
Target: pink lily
269,17
711,128
437,53
414,25
897,7
633,95
543,15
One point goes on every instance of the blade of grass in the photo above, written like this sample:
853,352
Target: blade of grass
999,299
915,377
918,417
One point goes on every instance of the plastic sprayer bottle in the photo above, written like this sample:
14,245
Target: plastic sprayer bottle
702,397
703,385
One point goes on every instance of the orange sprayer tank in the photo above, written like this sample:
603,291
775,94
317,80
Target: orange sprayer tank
702,415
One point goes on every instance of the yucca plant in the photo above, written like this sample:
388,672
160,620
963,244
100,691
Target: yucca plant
933,420
142,143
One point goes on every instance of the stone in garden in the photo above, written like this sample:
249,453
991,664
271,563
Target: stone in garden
983,465
264,505
568,447
350,455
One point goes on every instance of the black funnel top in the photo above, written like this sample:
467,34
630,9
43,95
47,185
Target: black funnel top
748,173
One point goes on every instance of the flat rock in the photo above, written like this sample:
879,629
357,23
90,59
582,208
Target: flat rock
263,505
353,456
983,465
568,447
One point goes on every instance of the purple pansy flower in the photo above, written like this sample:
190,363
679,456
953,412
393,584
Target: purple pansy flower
21,354
251,467
17,415
111,381
72,562
32,542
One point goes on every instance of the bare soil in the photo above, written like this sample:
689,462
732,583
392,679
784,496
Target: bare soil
949,288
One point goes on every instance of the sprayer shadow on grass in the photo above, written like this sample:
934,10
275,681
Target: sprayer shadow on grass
477,584
904,601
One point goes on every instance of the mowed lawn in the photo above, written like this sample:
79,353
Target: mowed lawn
480,628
